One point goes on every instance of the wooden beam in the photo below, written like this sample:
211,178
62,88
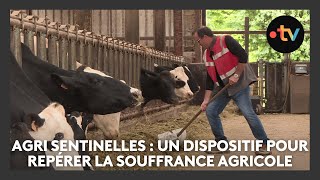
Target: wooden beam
132,26
159,29
197,48
177,21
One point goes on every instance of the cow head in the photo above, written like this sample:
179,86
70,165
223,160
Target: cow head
183,92
181,73
159,86
95,94
136,93
192,82
108,123
50,124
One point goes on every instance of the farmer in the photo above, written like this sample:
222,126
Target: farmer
227,62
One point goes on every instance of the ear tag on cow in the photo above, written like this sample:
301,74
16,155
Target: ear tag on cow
64,86
34,127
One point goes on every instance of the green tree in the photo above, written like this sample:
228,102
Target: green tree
220,20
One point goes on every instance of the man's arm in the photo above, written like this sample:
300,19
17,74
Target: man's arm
208,92
240,68
209,83
236,49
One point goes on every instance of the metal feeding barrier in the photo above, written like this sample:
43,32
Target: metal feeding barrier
64,44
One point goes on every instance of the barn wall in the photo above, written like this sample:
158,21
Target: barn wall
112,23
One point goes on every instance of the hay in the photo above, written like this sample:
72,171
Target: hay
148,131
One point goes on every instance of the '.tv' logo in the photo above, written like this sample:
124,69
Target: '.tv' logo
285,34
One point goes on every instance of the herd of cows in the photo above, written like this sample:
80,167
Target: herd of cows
50,103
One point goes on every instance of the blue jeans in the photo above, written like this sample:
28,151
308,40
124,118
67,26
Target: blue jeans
242,99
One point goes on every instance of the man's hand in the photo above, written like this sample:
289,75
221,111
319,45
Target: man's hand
206,99
233,79
204,105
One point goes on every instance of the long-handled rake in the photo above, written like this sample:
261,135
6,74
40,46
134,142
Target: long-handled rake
181,134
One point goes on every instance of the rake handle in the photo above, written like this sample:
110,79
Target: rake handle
199,112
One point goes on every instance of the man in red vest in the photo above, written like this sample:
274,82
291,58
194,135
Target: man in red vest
227,62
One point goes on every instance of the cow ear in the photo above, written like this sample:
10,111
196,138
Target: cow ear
175,65
78,64
60,81
148,73
33,121
180,84
166,73
34,127
81,68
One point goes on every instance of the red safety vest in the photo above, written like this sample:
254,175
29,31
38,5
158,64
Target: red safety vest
223,59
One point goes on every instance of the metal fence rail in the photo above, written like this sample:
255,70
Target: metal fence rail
63,45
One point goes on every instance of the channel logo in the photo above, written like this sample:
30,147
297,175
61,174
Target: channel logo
285,34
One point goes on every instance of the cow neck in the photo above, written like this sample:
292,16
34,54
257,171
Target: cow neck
40,72
44,67
23,83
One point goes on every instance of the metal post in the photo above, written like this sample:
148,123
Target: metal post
246,35
63,49
260,82
52,50
72,55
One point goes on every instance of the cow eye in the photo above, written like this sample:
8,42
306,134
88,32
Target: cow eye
180,84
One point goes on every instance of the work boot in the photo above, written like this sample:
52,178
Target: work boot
215,150
263,151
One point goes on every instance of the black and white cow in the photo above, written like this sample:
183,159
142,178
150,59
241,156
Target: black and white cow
109,124
159,86
79,127
33,116
19,131
77,91
184,74
154,86
26,98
